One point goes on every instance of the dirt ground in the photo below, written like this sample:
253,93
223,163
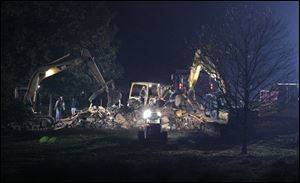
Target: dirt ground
116,155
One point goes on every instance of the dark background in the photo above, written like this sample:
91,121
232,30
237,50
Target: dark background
156,36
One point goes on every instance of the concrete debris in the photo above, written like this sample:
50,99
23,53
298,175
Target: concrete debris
120,119
165,119
124,117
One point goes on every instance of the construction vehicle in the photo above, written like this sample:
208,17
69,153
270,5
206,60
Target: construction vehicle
148,108
279,98
186,91
180,79
153,94
58,66
185,96
152,132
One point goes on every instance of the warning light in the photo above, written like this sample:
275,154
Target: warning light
211,86
180,85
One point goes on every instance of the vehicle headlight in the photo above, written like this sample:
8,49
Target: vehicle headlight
159,114
146,114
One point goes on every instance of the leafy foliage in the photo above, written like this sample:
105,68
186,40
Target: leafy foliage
36,33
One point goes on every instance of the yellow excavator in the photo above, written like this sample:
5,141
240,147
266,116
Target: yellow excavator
209,68
211,100
60,65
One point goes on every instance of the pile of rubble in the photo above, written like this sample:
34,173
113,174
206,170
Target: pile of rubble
173,119
92,117
126,118
99,117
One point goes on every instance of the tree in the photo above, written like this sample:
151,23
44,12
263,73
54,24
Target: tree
36,33
250,50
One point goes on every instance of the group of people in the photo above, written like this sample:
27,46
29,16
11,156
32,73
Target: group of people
60,107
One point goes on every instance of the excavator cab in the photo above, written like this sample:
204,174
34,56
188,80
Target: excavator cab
144,94
180,80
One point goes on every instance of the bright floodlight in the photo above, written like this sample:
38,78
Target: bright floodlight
146,114
51,71
159,114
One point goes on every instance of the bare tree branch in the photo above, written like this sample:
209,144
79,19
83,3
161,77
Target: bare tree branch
249,52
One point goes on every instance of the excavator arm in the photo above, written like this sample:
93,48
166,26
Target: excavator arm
209,68
58,66
195,70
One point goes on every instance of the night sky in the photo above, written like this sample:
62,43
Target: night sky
153,34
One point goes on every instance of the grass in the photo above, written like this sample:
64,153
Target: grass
114,155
